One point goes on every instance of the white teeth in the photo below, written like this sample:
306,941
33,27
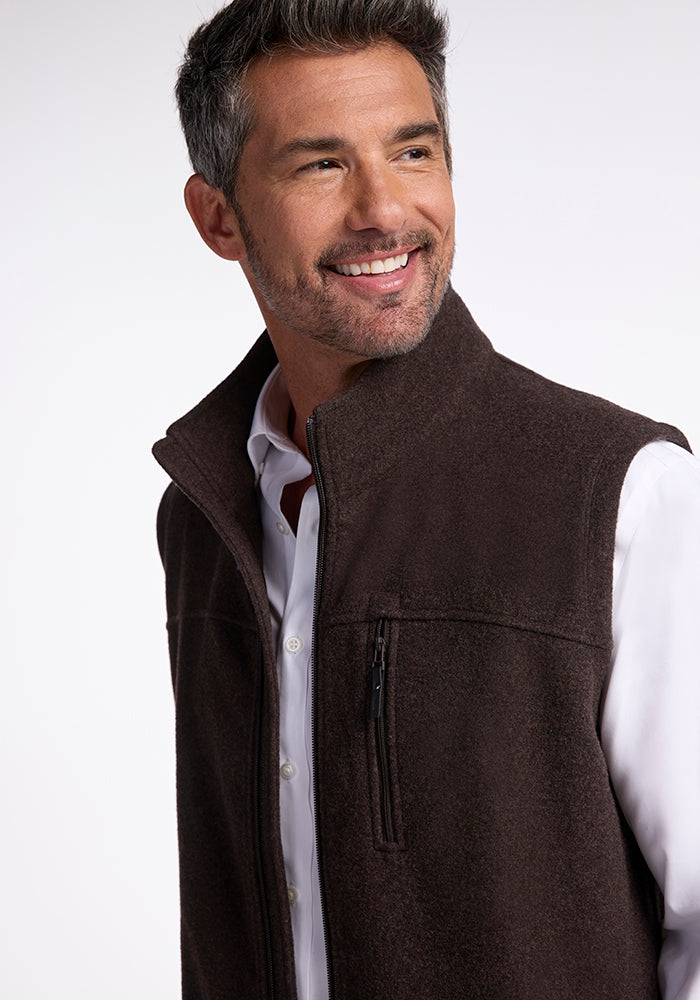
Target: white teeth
373,266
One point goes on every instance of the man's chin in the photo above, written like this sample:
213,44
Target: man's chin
391,328
391,335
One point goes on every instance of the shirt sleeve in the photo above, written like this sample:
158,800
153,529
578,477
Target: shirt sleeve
650,723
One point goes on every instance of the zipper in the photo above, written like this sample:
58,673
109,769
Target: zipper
378,714
313,455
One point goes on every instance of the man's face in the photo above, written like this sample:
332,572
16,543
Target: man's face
345,173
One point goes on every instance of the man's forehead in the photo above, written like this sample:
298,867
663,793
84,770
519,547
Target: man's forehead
309,95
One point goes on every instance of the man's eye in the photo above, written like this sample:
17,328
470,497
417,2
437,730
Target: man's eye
417,153
321,165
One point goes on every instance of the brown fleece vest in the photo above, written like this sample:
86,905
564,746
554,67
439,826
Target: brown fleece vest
470,843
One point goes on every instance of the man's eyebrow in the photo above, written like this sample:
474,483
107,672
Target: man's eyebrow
417,130
334,143
310,144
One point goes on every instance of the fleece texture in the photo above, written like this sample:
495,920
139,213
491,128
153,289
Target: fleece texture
477,849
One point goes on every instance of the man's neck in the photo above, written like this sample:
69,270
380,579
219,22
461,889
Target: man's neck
313,374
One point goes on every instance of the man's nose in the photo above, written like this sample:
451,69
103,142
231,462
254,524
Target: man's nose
377,201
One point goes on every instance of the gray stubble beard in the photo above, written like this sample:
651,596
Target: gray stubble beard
333,328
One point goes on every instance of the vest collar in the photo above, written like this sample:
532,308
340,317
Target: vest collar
379,421
360,435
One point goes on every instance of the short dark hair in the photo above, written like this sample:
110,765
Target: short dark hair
216,112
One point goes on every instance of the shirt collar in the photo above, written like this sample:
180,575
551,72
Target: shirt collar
270,419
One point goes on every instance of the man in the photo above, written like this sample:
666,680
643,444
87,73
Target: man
414,758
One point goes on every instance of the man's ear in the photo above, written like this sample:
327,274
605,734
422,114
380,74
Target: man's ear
214,218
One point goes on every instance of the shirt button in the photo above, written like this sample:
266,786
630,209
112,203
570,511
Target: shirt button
293,894
288,770
282,528
293,644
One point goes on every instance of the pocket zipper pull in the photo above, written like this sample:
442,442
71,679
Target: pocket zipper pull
378,678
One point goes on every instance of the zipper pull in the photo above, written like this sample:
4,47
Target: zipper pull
378,676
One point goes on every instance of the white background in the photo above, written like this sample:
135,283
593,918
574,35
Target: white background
577,164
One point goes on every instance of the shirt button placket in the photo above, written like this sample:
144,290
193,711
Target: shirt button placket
288,770
293,644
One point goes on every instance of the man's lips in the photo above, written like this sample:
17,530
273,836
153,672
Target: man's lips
372,283
378,265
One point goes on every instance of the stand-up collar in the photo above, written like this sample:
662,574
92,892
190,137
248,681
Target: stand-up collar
360,434
379,420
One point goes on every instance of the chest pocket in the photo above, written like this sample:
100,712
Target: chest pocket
383,767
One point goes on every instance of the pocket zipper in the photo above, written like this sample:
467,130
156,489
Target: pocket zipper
378,713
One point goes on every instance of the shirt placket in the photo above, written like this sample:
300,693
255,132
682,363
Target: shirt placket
290,571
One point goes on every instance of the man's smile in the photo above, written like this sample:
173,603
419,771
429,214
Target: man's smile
384,265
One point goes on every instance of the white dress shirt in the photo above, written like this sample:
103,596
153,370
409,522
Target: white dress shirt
289,564
650,723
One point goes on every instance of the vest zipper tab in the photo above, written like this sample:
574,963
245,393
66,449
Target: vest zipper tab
378,674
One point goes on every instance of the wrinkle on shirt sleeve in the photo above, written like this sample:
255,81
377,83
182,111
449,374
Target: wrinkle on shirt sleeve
650,723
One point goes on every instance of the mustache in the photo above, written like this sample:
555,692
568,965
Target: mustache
419,238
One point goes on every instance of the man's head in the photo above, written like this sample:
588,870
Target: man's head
329,180
216,112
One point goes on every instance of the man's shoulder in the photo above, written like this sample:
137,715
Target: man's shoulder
570,418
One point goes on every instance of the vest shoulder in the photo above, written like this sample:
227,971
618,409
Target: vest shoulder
570,417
